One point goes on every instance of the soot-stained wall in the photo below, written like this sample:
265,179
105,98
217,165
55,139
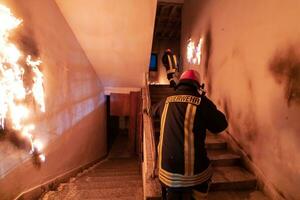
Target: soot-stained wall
73,128
251,67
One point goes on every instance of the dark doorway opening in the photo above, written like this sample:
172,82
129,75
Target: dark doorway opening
117,126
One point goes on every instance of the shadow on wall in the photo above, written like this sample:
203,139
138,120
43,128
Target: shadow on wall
285,68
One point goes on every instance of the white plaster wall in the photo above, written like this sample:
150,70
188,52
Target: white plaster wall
251,67
73,128
116,36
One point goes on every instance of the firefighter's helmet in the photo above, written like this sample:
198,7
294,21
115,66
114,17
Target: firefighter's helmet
190,75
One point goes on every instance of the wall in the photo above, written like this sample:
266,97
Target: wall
251,68
73,128
159,46
116,36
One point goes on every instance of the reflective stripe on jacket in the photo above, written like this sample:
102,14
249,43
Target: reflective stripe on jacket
185,116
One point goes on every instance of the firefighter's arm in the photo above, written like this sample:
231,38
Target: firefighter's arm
215,120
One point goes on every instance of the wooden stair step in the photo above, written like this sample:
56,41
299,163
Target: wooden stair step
111,172
116,165
110,178
85,185
134,193
232,178
215,143
107,168
237,195
221,157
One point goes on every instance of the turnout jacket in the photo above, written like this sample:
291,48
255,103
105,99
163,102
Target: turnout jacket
185,116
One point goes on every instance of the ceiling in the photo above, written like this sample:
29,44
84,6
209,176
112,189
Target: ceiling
116,37
168,21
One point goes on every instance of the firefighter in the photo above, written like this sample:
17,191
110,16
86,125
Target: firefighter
169,60
184,169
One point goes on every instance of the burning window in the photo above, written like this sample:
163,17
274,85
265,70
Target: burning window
20,85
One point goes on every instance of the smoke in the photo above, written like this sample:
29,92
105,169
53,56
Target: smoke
23,37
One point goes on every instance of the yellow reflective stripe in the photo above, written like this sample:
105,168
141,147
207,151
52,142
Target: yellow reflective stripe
176,176
178,180
171,71
191,139
182,183
162,128
189,151
175,60
170,62
186,140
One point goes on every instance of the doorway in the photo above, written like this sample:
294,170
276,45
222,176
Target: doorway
167,33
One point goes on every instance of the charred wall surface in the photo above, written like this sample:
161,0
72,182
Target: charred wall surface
250,64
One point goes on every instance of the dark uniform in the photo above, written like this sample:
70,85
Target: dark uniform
185,116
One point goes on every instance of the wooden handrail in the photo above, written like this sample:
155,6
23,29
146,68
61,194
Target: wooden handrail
147,108
150,181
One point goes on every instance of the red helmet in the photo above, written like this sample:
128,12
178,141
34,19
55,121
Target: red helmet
168,50
190,75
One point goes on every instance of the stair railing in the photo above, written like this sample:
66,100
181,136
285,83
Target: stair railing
150,181
149,130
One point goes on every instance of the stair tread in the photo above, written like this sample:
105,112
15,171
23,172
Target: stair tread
237,195
105,193
231,174
218,154
114,167
84,185
232,178
110,178
214,140
114,172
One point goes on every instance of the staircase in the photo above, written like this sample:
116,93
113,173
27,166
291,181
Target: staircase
116,178
230,180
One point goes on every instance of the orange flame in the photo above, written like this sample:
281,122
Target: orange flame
12,89
194,52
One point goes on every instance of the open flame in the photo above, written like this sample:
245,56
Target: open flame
194,52
13,93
